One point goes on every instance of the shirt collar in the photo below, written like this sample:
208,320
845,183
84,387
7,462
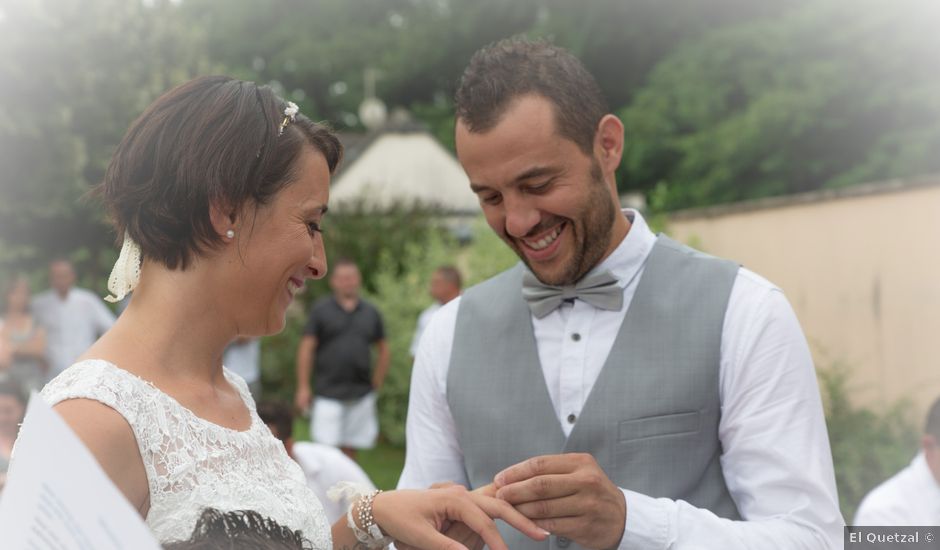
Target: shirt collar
630,255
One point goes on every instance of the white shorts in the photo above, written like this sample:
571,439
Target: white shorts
345,423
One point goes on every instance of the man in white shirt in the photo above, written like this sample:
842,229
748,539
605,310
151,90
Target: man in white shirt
731,452
74,318
323,465
445,285
912,496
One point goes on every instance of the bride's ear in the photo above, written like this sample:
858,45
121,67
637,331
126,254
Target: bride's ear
224,219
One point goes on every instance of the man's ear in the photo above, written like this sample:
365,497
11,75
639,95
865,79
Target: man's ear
931,449
608,143
929,444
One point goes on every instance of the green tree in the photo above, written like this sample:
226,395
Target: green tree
620,41
401,296
75,74
833,93
316,52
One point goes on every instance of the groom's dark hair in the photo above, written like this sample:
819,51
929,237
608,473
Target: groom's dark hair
506,70
240,530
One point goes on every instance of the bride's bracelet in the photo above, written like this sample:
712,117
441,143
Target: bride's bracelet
369,532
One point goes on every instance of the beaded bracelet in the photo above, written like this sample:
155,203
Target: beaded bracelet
369,534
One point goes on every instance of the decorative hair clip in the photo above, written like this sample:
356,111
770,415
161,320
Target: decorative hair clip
290,114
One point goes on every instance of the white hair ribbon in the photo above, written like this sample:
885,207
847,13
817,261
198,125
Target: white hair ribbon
126,273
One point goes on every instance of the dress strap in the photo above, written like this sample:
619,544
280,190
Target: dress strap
103,382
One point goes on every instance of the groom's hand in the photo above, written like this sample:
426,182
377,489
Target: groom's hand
568,495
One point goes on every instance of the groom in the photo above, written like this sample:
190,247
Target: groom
617,387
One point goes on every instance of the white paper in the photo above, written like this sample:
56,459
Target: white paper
57,497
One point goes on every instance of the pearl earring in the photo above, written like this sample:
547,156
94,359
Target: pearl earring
230,234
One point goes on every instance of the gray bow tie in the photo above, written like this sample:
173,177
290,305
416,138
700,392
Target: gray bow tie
600,290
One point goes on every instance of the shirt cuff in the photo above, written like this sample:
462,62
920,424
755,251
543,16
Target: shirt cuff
647,525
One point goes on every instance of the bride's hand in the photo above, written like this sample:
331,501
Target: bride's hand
459,531
416,518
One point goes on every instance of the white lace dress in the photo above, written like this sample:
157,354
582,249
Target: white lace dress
192,463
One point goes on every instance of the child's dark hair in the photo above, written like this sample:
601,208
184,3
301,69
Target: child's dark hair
240,530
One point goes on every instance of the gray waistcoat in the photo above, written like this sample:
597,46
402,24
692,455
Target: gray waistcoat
651,419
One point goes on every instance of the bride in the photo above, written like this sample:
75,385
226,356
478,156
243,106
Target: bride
219,189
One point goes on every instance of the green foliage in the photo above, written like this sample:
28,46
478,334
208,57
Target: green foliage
75,74
834,93
401,295
867,447
374,240
486,256
621,41
278,357
317,51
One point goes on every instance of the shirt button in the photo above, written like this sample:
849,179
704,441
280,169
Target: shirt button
563,542
572,418
576,337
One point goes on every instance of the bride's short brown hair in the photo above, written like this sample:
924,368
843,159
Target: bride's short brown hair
211,140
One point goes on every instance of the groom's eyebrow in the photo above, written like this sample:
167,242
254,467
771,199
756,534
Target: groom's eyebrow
537,172
531,173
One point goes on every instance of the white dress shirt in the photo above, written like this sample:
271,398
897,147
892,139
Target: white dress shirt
910,497
422,324
72,324
244,358
776,458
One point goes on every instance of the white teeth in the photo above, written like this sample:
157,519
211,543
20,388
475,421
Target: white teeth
545,241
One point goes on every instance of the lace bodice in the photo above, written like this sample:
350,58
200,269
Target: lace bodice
192,463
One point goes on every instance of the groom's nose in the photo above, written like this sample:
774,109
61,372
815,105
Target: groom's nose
521,216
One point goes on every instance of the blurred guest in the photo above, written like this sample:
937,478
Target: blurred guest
73,317
239,530
324,466
243,357
445,286
336,347
22,340
12,409
912,496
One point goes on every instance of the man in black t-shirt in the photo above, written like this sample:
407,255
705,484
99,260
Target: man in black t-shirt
336,347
